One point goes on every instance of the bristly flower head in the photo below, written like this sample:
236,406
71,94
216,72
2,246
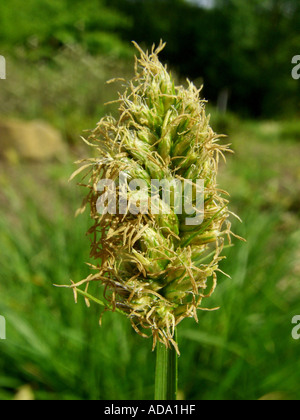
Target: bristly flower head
156,268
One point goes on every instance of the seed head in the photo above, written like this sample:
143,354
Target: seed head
156,267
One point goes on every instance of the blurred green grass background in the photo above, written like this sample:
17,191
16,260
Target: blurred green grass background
56,349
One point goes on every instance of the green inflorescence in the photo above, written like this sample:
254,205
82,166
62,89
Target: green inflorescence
156,268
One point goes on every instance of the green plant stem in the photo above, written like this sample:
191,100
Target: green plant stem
166,374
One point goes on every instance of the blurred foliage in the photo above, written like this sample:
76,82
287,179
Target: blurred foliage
42,27
290,130
244,46
70,92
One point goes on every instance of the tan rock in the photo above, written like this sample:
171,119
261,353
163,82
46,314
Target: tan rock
34,140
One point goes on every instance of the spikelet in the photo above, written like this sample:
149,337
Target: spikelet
156,268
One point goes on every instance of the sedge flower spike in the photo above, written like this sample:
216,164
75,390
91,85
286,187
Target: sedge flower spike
155,266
